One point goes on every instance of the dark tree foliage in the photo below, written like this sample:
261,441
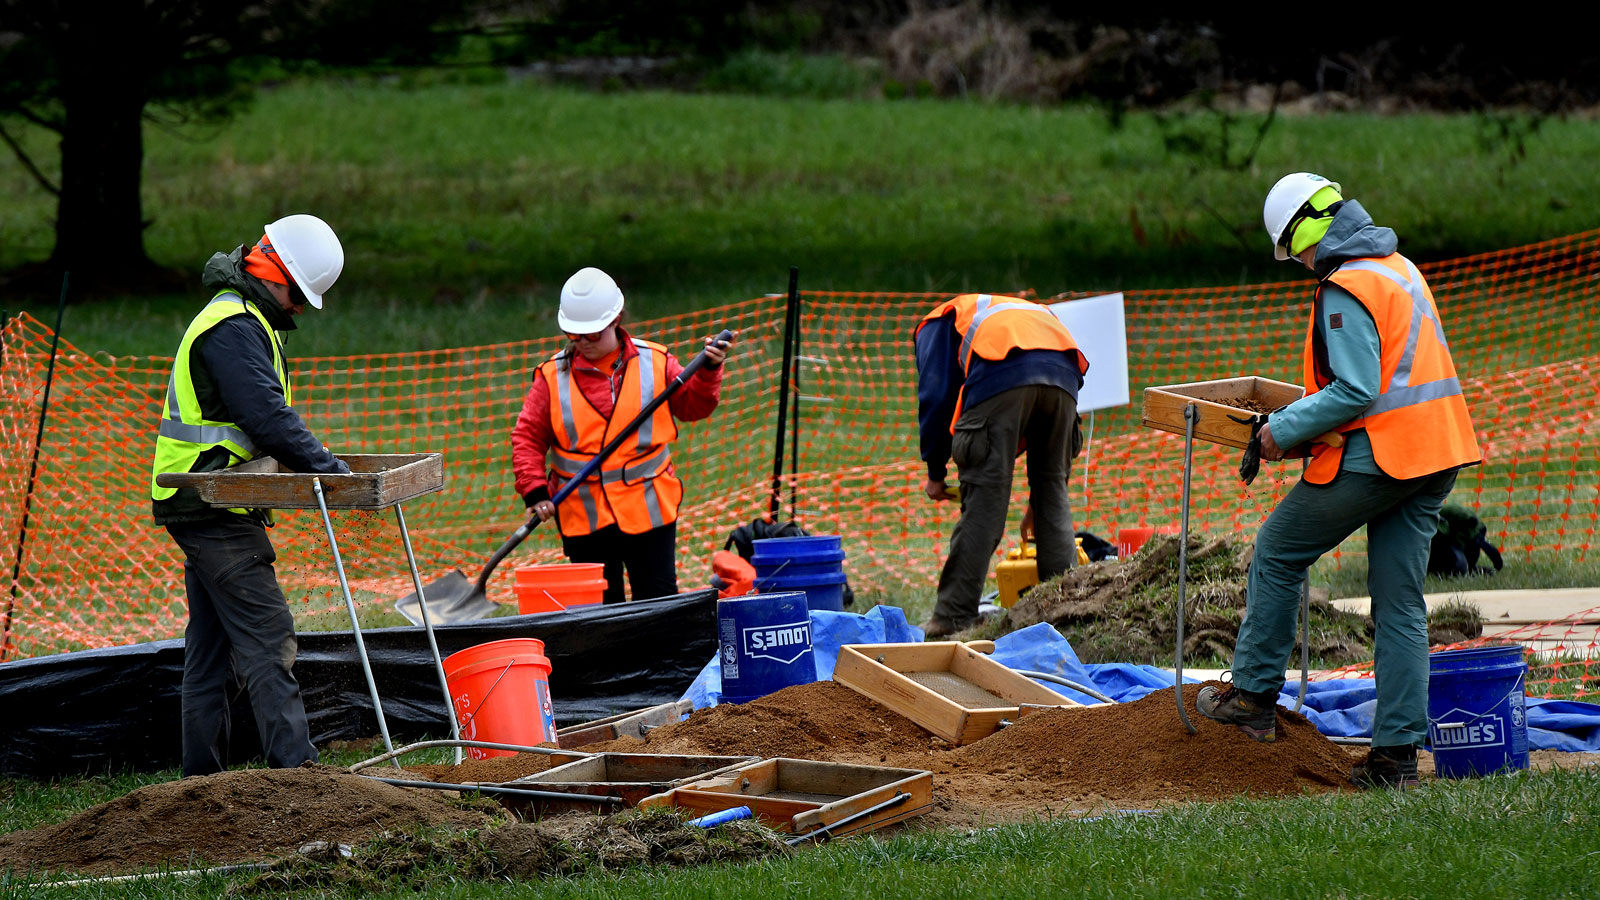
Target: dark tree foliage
93,72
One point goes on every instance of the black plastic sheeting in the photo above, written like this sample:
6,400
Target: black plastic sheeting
118,708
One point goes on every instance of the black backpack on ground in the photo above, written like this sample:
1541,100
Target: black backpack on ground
1457,544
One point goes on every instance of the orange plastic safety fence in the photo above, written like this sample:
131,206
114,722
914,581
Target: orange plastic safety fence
96,572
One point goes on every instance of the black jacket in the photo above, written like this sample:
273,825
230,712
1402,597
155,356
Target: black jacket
234,382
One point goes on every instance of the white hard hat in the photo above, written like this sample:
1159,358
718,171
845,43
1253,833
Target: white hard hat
310,251
590,300
1284,202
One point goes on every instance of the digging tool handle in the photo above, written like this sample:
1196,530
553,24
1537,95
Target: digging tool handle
826,831
526,528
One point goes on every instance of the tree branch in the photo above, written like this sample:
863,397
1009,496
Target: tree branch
36,119
27,163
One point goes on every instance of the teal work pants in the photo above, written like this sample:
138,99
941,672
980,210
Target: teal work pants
1401,518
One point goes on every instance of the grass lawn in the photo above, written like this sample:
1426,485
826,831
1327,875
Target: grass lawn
463,207
1520,836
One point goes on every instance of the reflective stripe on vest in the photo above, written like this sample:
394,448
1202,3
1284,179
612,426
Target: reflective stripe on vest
1419,423
1401,392
983,308
635,487
183,433
975,324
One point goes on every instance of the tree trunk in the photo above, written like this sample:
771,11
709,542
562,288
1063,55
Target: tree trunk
100,219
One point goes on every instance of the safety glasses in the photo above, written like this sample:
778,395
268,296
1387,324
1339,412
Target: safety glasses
591,338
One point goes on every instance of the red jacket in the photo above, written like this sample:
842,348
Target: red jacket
531,436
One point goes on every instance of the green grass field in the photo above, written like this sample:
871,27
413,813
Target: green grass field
464,207
1519,836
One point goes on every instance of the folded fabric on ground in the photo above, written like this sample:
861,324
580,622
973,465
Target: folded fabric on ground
1342,708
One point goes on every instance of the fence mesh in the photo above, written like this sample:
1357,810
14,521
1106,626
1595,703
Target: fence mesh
94,571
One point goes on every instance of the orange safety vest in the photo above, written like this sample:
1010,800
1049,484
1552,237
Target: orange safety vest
993,325
1419,423
634,488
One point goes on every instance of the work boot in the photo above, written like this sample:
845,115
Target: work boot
1254,714
1387,767
936,628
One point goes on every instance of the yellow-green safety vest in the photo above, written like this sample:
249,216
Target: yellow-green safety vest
185,433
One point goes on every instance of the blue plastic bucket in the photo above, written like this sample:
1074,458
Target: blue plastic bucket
812,564
1477,711
765,644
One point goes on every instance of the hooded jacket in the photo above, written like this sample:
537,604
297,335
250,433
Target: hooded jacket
234,381
1350,335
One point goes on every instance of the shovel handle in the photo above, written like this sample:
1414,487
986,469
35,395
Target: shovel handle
589,468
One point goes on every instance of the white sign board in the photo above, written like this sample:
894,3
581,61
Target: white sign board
1097,325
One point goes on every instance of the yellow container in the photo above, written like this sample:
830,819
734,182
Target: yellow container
1020,571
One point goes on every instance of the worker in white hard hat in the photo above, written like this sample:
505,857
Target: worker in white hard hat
229,401
626,515
1378,373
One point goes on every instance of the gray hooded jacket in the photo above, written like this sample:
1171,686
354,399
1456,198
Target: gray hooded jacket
1351,337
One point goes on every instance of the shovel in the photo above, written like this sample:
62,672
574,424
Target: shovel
452,598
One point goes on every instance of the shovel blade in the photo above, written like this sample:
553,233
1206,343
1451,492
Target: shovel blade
452,598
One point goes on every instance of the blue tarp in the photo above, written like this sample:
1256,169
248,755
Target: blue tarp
1340,708
829,632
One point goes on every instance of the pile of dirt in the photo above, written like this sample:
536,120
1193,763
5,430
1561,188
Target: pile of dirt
563,845
1140,752
824,720
1055,762
236,816
1126,610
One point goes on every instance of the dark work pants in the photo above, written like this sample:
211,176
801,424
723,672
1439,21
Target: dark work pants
984,450
650,557
238,621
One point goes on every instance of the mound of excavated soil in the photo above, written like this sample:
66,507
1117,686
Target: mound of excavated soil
1052,763
230,817
823,720
1140,752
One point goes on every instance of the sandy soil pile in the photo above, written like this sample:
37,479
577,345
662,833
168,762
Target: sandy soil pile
229,817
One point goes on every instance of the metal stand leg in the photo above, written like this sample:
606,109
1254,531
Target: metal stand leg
1191,414
427,627
1305,641
1305,629
350,604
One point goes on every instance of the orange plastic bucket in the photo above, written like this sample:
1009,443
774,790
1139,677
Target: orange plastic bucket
501,694
559,586
1129,540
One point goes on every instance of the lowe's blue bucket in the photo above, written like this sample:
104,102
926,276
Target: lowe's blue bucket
813,565
1477,712
765,644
